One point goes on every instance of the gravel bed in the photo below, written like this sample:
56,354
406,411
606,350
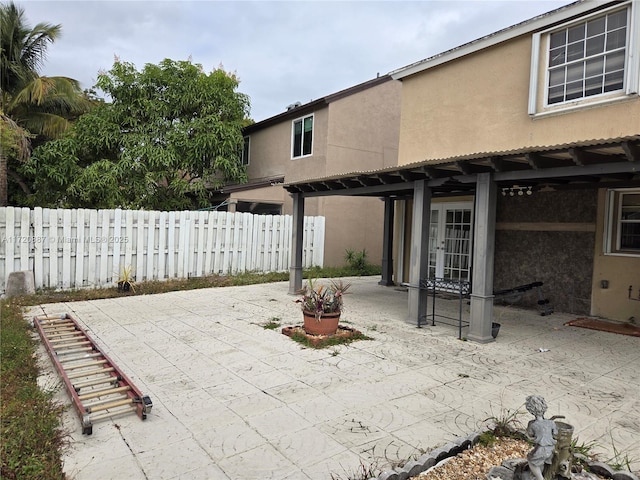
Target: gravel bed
474,463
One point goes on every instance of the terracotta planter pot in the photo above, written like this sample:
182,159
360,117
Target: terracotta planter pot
327,325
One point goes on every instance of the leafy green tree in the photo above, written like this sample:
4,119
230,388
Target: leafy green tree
34,108
170,135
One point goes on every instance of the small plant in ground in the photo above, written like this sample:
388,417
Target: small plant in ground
487,439
356,260
329,341
362,472
335,352
620,460
271,324
505,423
125,280
586,449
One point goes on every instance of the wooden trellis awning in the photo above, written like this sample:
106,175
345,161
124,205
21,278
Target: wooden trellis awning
593,164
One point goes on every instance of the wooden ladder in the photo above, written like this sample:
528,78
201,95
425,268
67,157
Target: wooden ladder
92,380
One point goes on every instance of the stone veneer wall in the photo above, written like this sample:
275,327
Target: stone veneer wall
536,241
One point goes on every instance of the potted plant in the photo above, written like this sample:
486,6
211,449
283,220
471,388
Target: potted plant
322,306
125,280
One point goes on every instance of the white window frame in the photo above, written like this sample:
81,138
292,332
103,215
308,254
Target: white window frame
613,212
245,159
293,128
539,61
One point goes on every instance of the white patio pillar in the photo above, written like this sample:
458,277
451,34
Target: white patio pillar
295,269
419,260
483,255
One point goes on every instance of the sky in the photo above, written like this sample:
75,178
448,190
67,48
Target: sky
283,52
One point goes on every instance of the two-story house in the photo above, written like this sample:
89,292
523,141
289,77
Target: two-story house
521,154
351,130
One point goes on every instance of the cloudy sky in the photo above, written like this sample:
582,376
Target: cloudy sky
283,52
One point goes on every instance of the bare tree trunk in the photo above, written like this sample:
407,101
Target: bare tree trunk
3,180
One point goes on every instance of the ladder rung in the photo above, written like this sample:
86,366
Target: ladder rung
65,361
60,321
48,318
60,332
66,338
76,350
107,404
86,364
73,343
59,329
101,416
62,335
98,381
91,372
53,323
106,391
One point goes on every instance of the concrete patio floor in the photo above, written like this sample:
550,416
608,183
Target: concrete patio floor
232,400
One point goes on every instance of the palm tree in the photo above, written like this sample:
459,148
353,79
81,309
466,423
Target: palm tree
34,108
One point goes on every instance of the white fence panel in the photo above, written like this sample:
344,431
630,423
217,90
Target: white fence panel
76,248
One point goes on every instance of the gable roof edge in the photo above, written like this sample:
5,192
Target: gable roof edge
537,23
314,105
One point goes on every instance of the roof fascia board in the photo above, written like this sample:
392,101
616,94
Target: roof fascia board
292,114
314,105
362,191
267,182
537,23
597,169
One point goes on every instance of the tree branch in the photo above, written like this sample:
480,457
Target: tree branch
20,181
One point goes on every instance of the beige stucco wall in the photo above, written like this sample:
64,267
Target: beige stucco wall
275,194
619,271
478,104
356,132
364,130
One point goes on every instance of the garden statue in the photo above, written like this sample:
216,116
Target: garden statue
550,457
543,433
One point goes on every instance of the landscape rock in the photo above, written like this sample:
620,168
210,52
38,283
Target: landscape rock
623,475
501,473
20,283
600,468
414,468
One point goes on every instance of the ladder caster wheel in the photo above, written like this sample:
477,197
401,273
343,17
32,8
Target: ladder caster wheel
87,426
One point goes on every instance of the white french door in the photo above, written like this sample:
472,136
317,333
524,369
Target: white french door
450,241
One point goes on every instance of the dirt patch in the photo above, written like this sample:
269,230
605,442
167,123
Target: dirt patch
343,335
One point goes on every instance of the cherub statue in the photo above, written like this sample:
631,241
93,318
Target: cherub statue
543,433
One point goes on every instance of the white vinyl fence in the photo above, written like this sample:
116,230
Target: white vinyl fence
75,248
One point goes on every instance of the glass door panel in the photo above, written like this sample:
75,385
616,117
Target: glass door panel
450,241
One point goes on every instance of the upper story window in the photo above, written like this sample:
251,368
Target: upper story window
587,58
302,137
586,61
623,222
245,151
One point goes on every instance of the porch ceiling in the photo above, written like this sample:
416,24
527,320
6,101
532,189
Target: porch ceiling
594,164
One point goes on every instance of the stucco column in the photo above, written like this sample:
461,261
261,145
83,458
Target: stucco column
295,269
387,243
419,260
483,255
